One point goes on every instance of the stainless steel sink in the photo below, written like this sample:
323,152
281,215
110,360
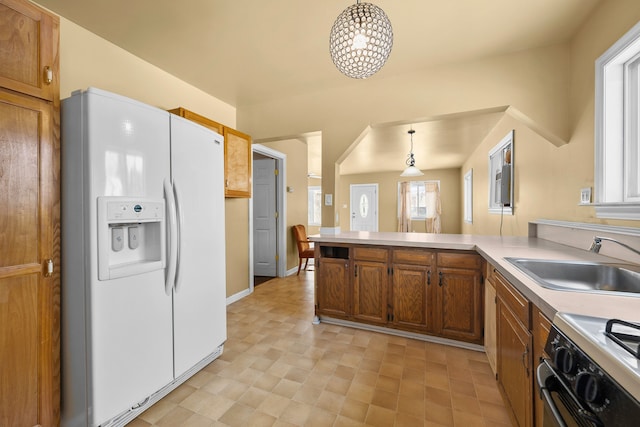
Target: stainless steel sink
581,276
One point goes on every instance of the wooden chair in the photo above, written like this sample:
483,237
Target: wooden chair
305,247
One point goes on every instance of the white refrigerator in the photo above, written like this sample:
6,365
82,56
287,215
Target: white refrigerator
143,255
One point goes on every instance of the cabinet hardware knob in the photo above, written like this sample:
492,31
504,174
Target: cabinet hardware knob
429,277
440,278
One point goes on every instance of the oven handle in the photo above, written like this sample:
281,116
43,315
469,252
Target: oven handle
546,371
543,373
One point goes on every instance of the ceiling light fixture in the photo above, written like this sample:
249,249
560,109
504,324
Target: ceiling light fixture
411,169
361,40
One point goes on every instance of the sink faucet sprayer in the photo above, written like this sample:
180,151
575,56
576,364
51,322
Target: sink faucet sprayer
597,244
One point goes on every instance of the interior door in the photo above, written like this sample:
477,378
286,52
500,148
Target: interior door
364,207
264,217
29,222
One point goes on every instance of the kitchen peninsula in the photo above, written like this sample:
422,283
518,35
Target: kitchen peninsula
460,290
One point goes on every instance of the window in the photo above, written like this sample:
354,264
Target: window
617,155
468,197
501,176
423,199
314,208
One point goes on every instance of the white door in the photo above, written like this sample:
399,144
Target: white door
199,298
364,207
264,217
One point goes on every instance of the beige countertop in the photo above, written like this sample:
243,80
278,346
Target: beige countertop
494,249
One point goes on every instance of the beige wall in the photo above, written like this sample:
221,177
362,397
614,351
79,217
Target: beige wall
553,86
88,60
534,81
548,179
296,152
450,185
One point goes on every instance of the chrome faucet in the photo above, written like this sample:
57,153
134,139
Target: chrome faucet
597,244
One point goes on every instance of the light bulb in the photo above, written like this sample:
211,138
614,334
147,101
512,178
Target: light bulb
359,41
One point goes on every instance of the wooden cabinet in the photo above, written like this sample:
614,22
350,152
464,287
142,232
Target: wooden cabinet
29,217
29,50
412,275
541,329
515,347
237,154
333,298
490,316
402,288
237,163
459,296
370,285
195,117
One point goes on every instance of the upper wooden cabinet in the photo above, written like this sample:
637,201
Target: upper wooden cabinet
237,163
194,117
29,49
237,154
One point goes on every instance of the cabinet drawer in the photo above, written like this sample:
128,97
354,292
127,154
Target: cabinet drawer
516,302
412,256
365,253
458,260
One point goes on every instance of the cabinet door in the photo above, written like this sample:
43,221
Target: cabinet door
410,297
28,49
514,364
333,287
237,163
490,314
541,329
29,294
370,291
459,304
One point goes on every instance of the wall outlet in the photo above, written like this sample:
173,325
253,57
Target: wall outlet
585,196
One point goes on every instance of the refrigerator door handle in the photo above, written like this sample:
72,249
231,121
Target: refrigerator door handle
172,235
179,224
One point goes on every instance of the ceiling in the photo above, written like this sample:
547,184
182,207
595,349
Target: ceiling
245,52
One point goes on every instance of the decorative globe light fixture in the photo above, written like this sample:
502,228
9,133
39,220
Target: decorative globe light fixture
361,40
411,169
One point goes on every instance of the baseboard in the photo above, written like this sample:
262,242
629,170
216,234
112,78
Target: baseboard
404,334
238,296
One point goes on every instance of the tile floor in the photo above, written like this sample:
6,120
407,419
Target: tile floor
278,369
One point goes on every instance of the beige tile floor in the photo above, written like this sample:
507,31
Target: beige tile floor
278,369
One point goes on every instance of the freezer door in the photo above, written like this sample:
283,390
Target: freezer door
199,299
129,319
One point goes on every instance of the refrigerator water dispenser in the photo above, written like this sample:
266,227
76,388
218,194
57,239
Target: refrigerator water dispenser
131,236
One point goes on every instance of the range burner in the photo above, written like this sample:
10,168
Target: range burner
627,336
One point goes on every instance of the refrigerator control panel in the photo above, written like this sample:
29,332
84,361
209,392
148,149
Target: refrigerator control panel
131,236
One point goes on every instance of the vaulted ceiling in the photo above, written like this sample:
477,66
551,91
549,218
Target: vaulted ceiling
249,51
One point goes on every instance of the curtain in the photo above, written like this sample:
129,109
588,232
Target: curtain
434,208
404,216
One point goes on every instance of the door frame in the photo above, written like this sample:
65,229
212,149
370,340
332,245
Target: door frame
281,207
351,187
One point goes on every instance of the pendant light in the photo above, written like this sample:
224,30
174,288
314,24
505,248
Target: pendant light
361,40
411,169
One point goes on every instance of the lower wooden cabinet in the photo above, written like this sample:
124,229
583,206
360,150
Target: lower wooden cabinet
515,344
411,301
459,297
541,329
333,297
370,292
403,288
522,331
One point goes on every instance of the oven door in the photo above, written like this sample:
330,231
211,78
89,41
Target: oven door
561,406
